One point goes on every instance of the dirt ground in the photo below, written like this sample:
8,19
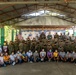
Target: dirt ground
41,68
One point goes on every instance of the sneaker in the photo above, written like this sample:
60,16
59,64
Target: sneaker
13,63
4,65
31,62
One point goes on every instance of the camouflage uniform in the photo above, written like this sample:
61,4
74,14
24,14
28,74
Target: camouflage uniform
16,46
21,46
42,36
28,44
33,44
11,47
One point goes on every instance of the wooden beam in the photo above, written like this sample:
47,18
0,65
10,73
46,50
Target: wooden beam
7,6
16,10
37,2
38,27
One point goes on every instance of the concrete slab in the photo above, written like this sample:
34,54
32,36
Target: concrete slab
44,68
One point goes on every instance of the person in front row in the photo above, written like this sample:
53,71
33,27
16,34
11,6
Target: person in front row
62,55
68,56
13,59
56,55
19,57
36,56
7,59
42,55
49,55
24,56
73,59
30,56
2,64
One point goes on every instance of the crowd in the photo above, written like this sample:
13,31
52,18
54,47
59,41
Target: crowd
41,49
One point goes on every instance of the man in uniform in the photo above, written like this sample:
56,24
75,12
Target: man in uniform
11,47
49,36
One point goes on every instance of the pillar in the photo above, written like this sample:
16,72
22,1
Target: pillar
2,36
13,35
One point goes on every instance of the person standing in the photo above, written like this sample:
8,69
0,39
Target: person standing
49,36
11,47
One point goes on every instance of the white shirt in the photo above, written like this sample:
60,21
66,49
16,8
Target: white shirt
68,55
18,55
29,54
73,38
67,36
1,60
62,54
74,55
43,54
12,57
36,54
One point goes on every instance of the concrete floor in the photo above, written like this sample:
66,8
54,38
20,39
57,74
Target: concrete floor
44,68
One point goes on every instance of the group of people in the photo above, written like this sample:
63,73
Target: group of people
42,48
42,56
